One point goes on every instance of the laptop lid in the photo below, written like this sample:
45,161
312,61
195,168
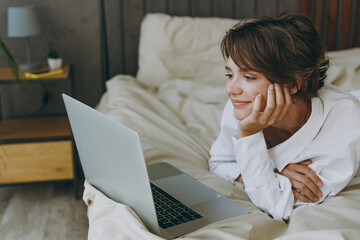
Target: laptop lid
111,154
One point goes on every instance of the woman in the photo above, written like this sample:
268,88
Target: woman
290,138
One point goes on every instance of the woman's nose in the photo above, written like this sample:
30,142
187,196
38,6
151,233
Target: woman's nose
234,87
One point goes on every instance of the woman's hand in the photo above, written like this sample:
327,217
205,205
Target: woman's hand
304,181
277,104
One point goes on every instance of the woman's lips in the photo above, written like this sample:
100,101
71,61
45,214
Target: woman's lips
240,103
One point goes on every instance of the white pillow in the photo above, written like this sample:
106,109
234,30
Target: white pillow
181,47
344,70
188,48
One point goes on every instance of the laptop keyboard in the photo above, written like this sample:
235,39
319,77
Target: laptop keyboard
171,212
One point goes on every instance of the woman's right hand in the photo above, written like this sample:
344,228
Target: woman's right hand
278,102
305,183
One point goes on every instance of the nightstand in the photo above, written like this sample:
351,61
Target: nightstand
37,149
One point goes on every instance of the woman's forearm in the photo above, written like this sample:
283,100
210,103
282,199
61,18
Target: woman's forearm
266,189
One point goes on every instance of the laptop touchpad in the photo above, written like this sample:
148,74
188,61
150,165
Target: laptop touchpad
186,189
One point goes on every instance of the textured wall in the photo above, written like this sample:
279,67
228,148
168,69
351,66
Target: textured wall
70,26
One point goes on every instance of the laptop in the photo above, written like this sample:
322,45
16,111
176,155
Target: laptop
169,202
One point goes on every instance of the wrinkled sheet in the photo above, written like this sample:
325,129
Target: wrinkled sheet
177,123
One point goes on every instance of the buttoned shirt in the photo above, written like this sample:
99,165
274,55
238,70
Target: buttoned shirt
330,139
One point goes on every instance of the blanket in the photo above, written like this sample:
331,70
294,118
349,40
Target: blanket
177,123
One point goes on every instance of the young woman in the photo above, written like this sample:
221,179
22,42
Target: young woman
291,139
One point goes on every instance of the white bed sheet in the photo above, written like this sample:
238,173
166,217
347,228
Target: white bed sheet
177,124
175,105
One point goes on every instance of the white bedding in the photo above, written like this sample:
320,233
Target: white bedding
177,120
172,130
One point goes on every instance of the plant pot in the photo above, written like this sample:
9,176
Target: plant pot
54,63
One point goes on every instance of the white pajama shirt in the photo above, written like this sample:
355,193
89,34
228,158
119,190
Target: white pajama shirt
330,139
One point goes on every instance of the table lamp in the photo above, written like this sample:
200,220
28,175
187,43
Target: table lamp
24,22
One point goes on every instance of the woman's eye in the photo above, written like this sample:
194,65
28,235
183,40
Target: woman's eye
249,77
228,75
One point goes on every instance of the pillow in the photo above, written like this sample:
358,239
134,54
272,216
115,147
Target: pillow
189,48
181,48
344,70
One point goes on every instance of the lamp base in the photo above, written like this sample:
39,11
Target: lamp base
29,66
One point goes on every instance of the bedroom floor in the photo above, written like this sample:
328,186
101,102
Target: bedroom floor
42,211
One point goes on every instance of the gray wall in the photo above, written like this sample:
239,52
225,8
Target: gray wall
70,26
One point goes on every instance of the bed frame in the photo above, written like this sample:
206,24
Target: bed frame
338,22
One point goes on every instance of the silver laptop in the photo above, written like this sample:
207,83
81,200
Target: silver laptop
169,202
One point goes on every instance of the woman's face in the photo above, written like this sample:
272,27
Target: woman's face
242,88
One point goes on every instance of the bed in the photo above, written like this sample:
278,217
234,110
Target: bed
175,104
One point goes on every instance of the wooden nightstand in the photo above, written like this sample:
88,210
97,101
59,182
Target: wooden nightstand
37,149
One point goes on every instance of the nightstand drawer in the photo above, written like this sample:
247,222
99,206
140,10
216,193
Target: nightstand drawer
37,161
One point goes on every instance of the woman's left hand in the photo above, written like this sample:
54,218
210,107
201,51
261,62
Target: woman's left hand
305,183
277,104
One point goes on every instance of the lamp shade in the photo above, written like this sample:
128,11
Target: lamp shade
23,21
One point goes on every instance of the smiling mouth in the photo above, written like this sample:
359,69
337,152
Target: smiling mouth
239,104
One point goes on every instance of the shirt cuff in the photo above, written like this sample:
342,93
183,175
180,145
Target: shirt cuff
253,159
229,171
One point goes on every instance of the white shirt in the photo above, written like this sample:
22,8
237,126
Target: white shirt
330,139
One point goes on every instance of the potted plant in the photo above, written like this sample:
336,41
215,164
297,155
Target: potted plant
54,60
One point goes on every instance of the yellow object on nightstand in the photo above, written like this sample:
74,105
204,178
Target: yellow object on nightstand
43,73
7,77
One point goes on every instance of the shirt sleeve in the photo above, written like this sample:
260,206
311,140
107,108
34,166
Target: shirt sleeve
222,160
335,152
336,167
266,189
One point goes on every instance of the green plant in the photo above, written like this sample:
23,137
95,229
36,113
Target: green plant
11,60
53,54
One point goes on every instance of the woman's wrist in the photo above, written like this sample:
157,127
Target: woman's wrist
242,134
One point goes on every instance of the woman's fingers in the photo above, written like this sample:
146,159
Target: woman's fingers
305,162
299,184
304,179
300,197
305,186
287,102
270,103
278,103
257,106
309,173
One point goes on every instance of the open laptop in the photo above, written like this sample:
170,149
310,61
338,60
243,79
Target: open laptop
169,202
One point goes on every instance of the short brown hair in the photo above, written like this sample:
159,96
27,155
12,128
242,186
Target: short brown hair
281,49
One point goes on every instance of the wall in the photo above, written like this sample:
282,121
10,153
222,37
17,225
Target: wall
71,27
124,17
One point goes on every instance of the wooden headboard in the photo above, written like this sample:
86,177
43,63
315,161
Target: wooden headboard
338,22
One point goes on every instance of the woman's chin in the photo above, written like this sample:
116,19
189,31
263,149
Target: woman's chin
242,112
240,116
239,119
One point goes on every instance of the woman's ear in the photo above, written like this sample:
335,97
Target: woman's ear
296,87
293,90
